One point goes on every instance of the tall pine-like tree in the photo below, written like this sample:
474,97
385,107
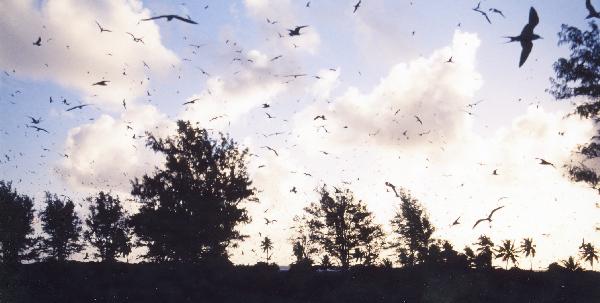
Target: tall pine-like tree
190,208
62,227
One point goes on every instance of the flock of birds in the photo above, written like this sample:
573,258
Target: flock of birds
525,38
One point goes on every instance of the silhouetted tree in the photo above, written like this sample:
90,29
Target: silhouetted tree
578,76
528,248
452,258
507,252
483,260
588,253
344,228
571,264
326,263
190,208
266,244
16,218
470,256
62,227
108,227
303,247
414,231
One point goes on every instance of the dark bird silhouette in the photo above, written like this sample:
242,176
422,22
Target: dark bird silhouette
191,101
34,120
124,104
276,57
271,22
544,162
38,42
322,117
495,172
592,11
456,221
271,149
78,107
38,128
267,221
171,17
473,104
265,105
136,39
102,29
489,217
482,13
269,116
101,83
393,187
497,11
419,120
356,6
296,31
527,36
450,60
293,190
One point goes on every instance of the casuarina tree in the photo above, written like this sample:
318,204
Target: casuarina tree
107,227
191,207
62,227
16,218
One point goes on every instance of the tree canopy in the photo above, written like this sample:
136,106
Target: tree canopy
62,227
16,218
191,207
108,228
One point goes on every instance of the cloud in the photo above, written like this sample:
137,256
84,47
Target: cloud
226,99
428,88
445,162
103,155
75,51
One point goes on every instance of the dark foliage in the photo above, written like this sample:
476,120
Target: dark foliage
62,228
16,218
414,232
107,227
169,282
579,76
344,228
190,208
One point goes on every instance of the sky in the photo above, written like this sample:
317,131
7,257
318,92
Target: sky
369,73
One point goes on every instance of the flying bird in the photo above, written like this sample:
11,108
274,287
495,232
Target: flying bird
267,221
419,120
456,221
78,107
322,117
191,101
269,116
38,128
544,162
34,120
293,190
482,13
356,6
101,83
171,17
527,36
38,42
489,217
265,105
136,39
271,149
592,11
102,29
497,11
296,31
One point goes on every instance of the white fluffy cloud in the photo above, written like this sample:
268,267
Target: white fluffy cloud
104,155
75,54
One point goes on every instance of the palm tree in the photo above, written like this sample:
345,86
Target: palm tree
507,252
483,260
588,253
528,248
266,245
571,265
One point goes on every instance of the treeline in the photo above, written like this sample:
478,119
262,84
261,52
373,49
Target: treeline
189,211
